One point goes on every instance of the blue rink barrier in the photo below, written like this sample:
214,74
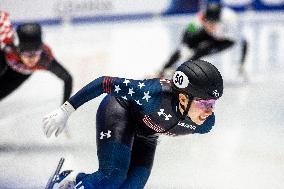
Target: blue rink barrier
257,5
192,6
261,5
112,18
46,22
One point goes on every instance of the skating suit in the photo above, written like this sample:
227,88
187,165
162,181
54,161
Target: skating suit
128,121
13,72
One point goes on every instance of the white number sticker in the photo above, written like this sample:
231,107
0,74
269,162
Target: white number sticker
180,79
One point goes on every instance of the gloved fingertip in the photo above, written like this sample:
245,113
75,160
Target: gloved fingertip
57,133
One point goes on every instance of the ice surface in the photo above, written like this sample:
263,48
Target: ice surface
244,150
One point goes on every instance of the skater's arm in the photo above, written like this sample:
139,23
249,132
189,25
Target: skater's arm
63,74
87,93
244,51
139,91
3,64
6,30
171,62
126,88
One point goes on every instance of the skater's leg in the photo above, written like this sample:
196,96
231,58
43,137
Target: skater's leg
173,59
114,141
242,71
143,152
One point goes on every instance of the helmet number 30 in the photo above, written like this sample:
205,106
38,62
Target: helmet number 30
180,79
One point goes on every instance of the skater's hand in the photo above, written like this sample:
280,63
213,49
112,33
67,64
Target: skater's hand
67,180
56,120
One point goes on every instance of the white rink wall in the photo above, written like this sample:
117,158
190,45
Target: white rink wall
243,150
61,9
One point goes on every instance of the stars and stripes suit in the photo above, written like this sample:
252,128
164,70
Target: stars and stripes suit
128,122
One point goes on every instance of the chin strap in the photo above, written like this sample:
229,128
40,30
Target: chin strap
186,109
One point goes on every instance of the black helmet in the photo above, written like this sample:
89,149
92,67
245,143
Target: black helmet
213,12
198,78
29,37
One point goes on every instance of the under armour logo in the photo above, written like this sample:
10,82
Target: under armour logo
215,93
108,135
79,186
161,112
